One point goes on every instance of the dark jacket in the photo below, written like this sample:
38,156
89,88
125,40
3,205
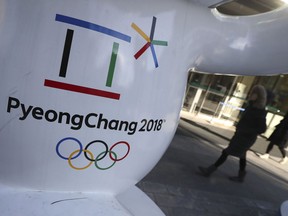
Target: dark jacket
280,134
253,121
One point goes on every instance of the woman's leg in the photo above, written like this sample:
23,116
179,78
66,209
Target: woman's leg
282,150
242,163
284,157
221,159
242,172
269,147
207,171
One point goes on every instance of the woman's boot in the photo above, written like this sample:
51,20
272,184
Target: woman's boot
239,178
206,171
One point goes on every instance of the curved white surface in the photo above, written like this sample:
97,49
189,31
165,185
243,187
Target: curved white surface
104,80
251,45
284,208
21,202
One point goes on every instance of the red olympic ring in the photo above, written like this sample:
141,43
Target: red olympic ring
110,152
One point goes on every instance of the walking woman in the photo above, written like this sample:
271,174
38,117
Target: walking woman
279,137
252,123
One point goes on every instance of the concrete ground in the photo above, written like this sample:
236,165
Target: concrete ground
177,188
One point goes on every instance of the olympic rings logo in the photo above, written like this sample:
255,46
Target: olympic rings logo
88,154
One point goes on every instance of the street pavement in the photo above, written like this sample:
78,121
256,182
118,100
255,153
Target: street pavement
177,188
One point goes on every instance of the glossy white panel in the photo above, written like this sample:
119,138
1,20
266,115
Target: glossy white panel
125,76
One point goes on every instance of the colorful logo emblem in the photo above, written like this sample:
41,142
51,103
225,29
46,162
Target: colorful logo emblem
90,154
150,42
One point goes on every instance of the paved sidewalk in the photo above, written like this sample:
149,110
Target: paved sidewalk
220,135
177,188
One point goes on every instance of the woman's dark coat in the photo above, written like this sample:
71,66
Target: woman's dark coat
280,134
252,123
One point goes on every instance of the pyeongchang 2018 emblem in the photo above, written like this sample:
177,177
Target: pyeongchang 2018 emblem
150,43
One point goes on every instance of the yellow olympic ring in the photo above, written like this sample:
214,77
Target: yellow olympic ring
80,168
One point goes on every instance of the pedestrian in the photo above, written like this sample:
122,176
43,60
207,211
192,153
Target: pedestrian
279,137
251,123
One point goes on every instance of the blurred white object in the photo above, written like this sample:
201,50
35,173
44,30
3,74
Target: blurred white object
91,91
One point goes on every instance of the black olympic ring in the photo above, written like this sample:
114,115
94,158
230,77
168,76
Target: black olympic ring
75,154
95,141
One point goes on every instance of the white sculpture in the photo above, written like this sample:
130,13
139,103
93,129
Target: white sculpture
91,93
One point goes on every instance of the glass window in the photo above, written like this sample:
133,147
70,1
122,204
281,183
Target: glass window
247,7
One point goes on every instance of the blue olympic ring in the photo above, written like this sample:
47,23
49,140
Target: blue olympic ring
69,138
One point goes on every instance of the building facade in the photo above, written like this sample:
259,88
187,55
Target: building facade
224,96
